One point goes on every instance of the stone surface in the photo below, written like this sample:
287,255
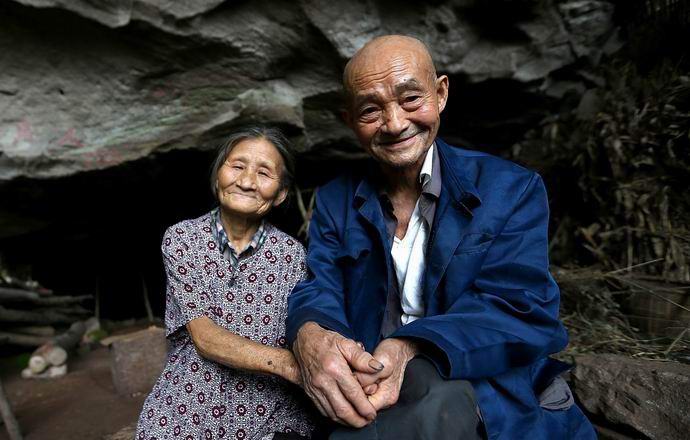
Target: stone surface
126,433
110,108
652,398
90,85
137,360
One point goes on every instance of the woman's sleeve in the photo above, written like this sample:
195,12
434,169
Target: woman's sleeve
187,297
301,272
296,273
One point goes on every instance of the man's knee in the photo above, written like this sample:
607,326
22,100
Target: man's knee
440,408
429,407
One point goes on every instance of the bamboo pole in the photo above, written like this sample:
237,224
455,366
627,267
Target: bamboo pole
147,302
8,416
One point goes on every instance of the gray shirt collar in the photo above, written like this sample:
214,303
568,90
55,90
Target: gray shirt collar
431,191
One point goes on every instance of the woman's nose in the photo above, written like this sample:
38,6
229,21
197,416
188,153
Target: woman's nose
247,180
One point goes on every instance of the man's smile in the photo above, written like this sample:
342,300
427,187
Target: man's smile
398,143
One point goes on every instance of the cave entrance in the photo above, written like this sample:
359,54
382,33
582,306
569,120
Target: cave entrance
99,232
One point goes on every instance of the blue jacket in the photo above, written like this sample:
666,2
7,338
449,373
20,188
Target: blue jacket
491,304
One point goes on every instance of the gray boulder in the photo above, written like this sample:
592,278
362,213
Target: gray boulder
652,398
137,359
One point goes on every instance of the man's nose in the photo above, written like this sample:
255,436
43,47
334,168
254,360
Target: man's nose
394,121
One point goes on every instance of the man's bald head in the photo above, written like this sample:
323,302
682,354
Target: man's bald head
394,100
382,52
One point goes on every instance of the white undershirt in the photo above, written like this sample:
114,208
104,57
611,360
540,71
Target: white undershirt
409,257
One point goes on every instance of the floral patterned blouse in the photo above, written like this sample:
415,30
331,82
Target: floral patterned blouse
196,398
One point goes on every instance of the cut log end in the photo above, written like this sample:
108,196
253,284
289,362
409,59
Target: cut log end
51,372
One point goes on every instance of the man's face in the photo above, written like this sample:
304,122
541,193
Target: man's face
395,108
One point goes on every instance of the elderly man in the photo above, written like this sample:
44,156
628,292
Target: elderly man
434,260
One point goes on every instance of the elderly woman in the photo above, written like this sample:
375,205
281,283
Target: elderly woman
229,273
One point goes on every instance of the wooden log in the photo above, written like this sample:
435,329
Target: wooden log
57,356
10,294
13,295
61,300
37,363
51,372
92,324
8,416
22,340
45,356
34,330
71,337
91,331
73,310
54,353
41,316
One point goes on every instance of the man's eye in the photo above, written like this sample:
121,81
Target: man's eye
367,111
411,98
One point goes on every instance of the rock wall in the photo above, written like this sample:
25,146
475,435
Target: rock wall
90,85
109,110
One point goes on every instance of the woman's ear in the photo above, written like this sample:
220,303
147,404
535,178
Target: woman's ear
282,195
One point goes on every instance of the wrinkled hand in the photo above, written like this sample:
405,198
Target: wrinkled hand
326,361
383,386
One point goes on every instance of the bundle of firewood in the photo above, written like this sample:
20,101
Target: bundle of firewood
50,359
37,318
30,319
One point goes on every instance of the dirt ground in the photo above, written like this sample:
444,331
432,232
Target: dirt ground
81,405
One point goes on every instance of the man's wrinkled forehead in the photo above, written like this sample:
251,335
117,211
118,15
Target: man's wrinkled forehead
377,68
388,56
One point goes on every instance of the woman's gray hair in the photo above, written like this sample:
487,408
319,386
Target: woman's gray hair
272,135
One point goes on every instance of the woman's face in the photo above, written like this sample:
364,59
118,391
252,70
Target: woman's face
249,180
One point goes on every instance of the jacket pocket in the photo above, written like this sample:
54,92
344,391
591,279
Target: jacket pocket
474,243
355,244
351,259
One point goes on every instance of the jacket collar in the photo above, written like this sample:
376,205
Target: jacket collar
455,180
367,187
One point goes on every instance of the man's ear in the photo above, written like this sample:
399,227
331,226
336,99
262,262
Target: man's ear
281,197
442,92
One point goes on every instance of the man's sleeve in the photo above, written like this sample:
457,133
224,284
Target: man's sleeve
509,315
320,297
